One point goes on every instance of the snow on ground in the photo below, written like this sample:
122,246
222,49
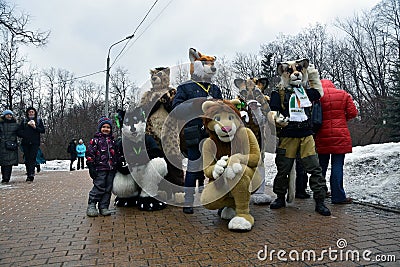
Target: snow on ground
371,173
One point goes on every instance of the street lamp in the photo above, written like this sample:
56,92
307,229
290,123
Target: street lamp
108,72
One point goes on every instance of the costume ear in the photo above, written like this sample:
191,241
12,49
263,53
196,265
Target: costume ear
281,68
262,83
193,54
152,72
167,71
240,83
304,62
207,104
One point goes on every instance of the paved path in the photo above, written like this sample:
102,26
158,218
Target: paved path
44,224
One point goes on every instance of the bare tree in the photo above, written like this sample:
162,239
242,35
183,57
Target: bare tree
17,25
122,90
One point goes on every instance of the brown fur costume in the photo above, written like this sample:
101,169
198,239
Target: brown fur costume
159,101
232,143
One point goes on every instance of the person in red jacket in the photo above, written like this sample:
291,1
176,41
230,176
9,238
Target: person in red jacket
333,140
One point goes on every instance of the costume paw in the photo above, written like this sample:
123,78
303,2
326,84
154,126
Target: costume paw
150,204
220,167
260,199
239,224
231,171
279,119
179,197
313,79
126,202
160,165
228,213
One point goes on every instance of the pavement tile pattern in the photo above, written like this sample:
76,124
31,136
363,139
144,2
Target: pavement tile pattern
44,223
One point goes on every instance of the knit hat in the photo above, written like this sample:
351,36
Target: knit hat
7,111
103,120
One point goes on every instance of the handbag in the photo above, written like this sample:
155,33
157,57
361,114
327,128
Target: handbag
11,145
316,116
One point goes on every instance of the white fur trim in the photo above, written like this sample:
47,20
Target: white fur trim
155,170
124,186
292,184
239,223
228,213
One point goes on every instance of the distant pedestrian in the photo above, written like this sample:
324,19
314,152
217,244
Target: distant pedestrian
81,151
102,156
333,140
40,159
8,144
73,154
30,129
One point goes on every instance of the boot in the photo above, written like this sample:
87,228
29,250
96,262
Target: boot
321,208
278,203
92,210
106,212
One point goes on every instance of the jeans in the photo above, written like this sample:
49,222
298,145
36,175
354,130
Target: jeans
194,172
336,179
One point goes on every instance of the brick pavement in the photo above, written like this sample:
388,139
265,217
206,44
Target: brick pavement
44,224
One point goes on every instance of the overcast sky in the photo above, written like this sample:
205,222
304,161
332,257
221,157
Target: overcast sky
83,30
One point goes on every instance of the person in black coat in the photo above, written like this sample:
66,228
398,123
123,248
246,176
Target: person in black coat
30,129
73,153
8,144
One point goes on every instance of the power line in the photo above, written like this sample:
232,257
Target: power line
119,54
148,12
158,15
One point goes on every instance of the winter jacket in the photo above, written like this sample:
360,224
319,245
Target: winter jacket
8,133
103,152
184,109
72,150
337,108
81,150
293,129
29,134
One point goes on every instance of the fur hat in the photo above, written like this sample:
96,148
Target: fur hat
7,111
103,120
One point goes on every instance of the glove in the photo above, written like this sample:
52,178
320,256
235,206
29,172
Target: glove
279,119
313,79
219,167
92,170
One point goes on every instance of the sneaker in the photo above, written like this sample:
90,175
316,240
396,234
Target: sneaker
348,200
188,210
29,179
5,181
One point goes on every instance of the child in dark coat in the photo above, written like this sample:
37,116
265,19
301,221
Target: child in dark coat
102,156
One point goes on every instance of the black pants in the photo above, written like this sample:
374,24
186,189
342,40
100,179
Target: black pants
6,173
30,152
81,163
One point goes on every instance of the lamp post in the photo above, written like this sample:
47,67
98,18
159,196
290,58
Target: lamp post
108,72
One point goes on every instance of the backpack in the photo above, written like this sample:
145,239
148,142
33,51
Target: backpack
316,116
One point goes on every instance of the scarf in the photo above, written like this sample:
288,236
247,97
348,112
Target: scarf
297,102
